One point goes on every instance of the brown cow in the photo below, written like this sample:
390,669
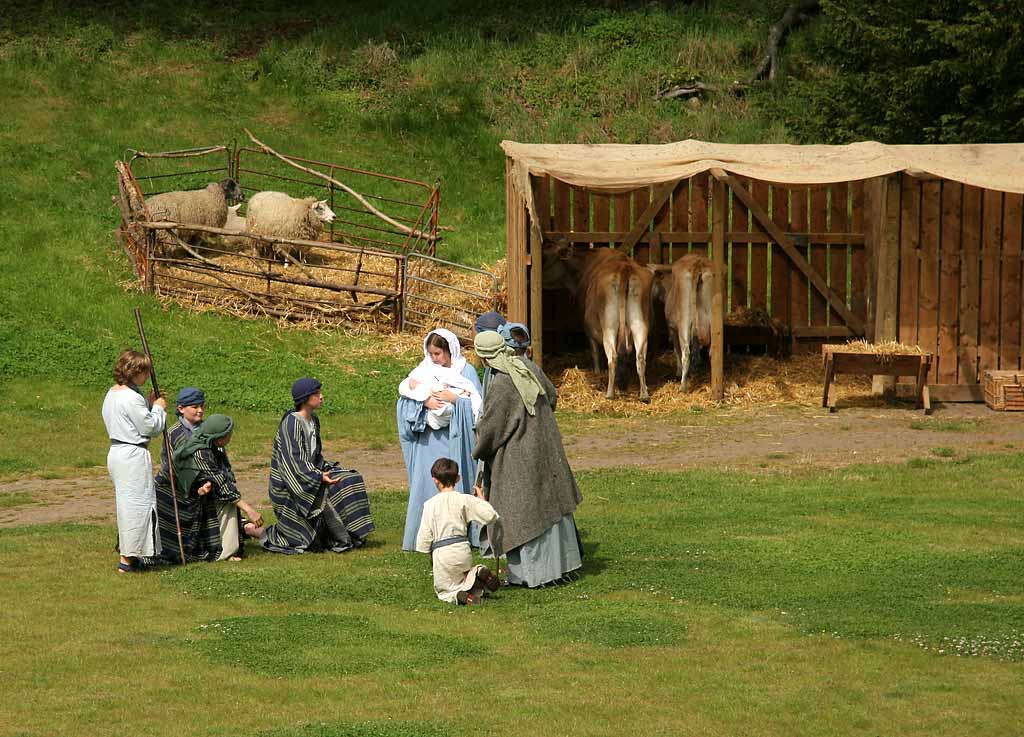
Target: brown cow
614,292
686,291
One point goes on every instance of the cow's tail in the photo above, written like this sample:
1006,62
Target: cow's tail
625,339
702,290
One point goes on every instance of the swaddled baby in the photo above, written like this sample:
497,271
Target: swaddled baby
419,385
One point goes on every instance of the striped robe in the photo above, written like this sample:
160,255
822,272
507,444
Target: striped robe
311,515
200,528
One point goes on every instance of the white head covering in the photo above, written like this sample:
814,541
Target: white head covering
428,373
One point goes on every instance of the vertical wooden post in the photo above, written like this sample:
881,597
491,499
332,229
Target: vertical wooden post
536,294
718,217
887,269
516,224
150,280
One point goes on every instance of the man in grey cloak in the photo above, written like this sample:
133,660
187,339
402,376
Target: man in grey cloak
528,479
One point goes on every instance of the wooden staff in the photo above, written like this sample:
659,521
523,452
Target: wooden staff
167,440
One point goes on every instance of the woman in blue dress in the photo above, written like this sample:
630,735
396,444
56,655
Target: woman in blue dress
437,408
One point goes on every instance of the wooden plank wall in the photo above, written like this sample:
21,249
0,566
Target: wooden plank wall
961,292
961,276
829,218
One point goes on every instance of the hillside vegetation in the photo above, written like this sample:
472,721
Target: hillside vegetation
426,90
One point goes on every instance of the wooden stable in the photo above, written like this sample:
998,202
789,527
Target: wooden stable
904,256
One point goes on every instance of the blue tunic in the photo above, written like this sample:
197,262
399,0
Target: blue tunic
422,445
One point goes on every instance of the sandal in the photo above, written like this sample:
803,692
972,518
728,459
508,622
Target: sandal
126,568
491,582
467,598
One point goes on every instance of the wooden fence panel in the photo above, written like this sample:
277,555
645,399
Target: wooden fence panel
1009,333
858,253
839,222
991,245
542,200
759,276
699,211
819,252
601,204
949,284
781,308
680,219
970,285
910,259
928,310
662,224
623,218
641,198
739,289
798,292
580,210
562,214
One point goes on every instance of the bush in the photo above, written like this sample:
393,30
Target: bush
908,72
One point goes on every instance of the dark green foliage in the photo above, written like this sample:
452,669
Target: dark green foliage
948,71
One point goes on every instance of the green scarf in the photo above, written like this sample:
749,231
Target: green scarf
490,346
212,428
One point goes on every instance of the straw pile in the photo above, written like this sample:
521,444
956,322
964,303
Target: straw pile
750,381
884,348
250,296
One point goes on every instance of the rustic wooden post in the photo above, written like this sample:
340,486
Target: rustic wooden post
536,295
886,255
718,216
516,224
149,283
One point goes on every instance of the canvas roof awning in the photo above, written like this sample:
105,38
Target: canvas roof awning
621,167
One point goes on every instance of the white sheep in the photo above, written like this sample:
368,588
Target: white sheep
236,224
280,215
207,206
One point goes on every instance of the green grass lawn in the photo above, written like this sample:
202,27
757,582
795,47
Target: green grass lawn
872,600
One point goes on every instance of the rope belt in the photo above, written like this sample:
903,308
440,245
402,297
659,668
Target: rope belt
125,442
444,542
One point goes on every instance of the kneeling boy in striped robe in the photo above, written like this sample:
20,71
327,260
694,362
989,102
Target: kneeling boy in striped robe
318,505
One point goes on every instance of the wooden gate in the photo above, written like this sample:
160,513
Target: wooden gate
797,253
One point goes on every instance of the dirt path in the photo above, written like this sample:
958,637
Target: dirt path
766,440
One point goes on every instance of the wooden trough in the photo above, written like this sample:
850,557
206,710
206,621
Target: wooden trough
841,359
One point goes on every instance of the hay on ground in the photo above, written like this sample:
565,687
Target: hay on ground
750,381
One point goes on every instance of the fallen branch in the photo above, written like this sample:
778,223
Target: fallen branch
795,14
696,89
362,200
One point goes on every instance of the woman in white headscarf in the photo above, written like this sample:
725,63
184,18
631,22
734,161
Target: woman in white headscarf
437,408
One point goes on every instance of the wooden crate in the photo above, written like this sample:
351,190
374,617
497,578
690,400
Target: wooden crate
1004,390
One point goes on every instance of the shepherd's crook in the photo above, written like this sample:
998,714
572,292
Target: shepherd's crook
167,441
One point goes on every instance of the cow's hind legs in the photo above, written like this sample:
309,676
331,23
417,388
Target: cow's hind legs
611,353
641,366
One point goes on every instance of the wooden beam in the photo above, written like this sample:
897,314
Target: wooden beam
945,392
887,269
699,236
830,331
718,213
661,194
515,248
536,296
787,244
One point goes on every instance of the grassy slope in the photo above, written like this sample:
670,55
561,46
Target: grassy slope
872,600
82,85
